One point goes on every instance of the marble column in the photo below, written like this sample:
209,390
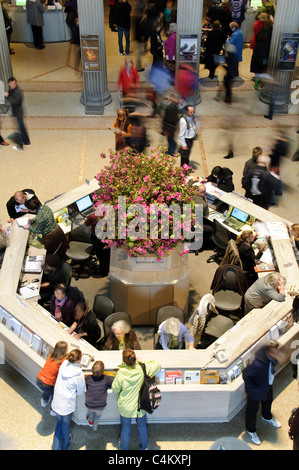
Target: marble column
189,21
91,22
286,21
5,62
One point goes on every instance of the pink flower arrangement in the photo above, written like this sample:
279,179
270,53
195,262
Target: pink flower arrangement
144,181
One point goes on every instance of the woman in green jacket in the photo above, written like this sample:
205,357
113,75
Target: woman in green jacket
126,385
44,224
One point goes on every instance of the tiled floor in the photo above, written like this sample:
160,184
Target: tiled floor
65,151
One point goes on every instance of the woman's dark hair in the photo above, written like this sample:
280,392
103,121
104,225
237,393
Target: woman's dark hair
129,357
217,171
216,24
61,286
33,204
81,306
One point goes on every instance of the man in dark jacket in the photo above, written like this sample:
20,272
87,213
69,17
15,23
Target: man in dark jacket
259,183
15,98
16,204
123,22
222,178
258,378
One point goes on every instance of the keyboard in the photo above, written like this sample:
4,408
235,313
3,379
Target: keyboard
233,223
87,212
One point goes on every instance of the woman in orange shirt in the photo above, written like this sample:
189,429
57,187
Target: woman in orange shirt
46,377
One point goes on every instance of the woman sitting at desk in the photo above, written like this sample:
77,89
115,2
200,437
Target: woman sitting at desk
61,306
247,255
173,334
44,224
85,325
121,336
294,234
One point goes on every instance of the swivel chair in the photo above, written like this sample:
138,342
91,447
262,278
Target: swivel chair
230,293
66,273
215,325
102,307
220,238
116,316
80,250
163,313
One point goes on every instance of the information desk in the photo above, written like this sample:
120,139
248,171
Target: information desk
23,324
55,28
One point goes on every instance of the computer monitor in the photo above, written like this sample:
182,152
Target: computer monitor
256,3
239,215
84,203
20,3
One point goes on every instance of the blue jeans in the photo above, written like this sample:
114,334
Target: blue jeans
126,431
121,32
46,389
22,138
62,439
171,145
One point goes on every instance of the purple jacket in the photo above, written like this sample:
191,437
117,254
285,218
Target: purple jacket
170,47
67,311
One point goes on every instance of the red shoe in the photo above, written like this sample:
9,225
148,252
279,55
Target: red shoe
89,422
4,143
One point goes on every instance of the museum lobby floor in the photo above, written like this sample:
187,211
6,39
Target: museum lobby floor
65,150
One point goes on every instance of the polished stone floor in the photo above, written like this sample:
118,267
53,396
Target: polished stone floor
65,150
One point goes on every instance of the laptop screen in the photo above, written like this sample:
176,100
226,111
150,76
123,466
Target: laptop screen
239,215
84,203
256,3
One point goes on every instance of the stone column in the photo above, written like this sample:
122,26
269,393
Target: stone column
189,21
5,62
91,22
286,21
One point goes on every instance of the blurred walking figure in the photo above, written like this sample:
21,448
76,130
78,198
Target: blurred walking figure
128,78
15,98
123,22
258,378
170,121
112,15
35,10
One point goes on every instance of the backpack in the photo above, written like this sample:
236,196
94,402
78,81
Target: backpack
149,394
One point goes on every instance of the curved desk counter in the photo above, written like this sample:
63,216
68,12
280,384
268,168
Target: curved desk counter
181,402
55,28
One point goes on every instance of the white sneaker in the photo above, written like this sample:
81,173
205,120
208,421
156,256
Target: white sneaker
44,402
15,147
254,438
273,422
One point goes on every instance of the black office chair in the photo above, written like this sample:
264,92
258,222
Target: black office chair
102,307
230,293
215,325
80,250
163,313
66,273
220,238
116,316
